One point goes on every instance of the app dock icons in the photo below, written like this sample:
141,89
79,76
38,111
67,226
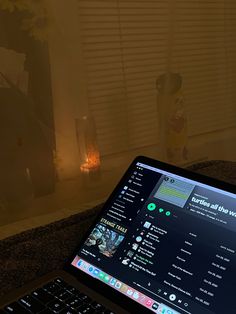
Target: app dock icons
118,285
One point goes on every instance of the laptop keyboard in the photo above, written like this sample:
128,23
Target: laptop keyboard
56,296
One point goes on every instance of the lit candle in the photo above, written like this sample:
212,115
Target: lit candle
89,152
92,161
90,169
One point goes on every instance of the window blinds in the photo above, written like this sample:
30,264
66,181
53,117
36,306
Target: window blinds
201,56
125,46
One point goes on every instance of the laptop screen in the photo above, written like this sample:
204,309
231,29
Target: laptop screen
167,242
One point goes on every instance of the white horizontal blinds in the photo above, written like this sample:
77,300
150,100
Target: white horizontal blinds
124,45
201,56
144,27
106,85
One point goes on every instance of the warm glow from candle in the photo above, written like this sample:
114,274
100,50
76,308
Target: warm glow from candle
89,152
92,161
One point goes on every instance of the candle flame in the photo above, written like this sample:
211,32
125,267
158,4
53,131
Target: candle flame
92,161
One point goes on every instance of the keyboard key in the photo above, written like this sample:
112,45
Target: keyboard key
60,282
15,308
72,289
65,286
31,304
56,306
42,295
52,288
97,306
68,311
63,296
86,309
74,302
83,297
103,311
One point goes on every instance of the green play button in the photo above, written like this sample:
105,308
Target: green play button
168,213
161,210
151,206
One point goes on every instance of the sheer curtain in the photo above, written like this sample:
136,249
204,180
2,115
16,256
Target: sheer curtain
105,81
126,46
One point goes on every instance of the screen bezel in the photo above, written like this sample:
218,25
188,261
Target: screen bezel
97,285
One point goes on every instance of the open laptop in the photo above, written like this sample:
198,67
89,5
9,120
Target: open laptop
165,242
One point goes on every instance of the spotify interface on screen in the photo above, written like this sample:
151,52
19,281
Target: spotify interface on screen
166,242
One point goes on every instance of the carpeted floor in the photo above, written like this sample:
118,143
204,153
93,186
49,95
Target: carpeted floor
36,252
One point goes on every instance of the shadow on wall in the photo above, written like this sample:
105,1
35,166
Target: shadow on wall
26,128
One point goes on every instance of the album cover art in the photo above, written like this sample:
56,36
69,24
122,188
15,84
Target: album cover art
105,239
